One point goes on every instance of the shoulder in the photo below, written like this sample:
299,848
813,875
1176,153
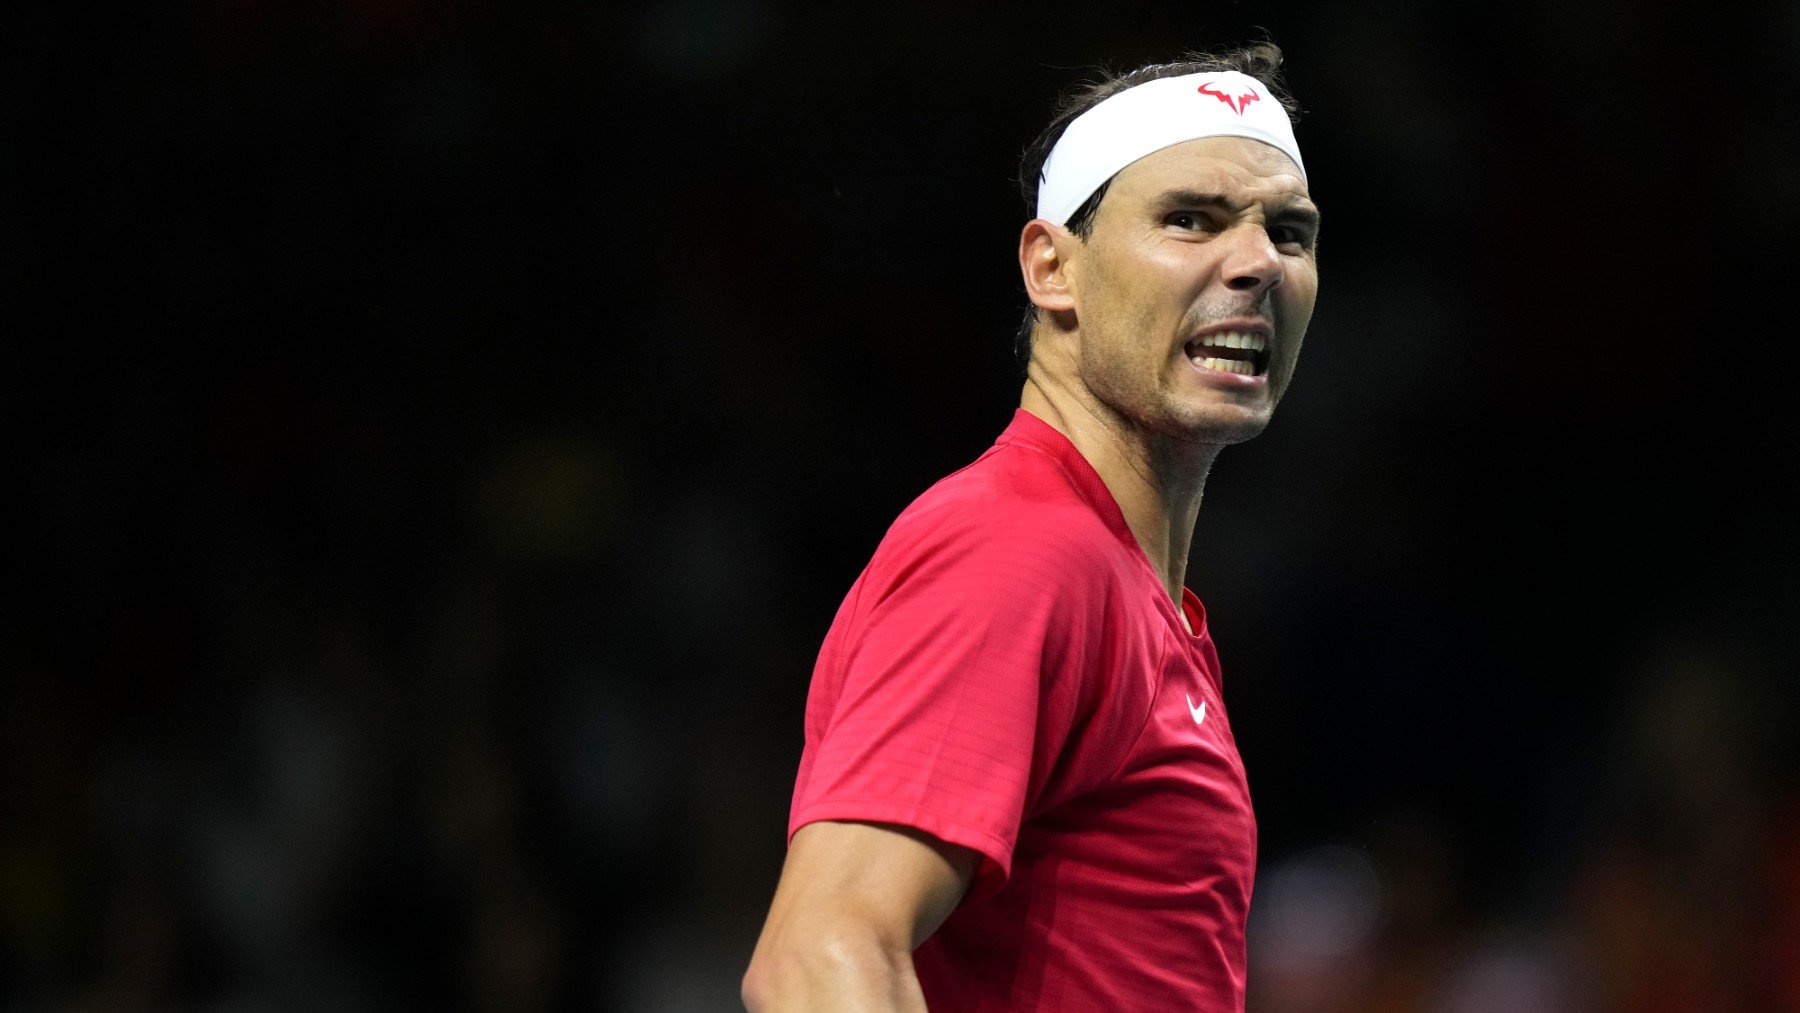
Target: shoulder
1015,509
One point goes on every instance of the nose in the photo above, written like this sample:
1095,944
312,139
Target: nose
1252,265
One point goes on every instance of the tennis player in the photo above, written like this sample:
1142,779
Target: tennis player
1020,789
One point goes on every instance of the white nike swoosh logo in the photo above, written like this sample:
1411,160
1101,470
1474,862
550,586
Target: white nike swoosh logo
1199,712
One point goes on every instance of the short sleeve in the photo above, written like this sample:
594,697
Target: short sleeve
949,683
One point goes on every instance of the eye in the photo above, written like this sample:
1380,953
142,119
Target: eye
1188,221
1301,239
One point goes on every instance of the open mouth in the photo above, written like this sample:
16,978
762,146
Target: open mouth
1241,352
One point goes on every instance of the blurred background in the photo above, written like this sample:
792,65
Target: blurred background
443,434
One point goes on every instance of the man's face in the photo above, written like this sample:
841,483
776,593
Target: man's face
1195,288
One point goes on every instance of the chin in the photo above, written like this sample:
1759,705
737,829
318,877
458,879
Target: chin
1227,436
1223,426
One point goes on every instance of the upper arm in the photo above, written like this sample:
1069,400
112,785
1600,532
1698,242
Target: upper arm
897,879
947,693
854,900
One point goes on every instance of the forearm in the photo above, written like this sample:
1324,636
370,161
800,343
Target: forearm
841,971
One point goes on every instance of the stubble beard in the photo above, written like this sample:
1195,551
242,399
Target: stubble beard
1150,401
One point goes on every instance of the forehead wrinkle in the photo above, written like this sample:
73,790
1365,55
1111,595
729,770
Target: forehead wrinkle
1263,172
1182,196
1278,206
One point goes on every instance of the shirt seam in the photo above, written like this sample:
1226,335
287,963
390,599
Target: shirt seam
830,800
1162,675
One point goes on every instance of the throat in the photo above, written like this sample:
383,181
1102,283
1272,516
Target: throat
1155,479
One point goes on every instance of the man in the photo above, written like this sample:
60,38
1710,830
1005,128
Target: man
1017,759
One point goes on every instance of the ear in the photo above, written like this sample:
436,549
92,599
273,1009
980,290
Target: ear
1044,251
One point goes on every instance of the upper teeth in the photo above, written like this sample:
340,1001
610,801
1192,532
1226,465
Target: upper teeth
1236,339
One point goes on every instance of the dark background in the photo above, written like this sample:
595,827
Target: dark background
443,433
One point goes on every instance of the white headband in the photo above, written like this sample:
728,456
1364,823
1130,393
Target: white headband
1150,117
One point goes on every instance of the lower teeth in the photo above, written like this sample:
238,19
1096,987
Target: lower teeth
1239,366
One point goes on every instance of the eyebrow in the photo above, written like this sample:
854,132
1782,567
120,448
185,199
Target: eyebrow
1300,214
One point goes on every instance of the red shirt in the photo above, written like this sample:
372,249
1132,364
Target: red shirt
1008,675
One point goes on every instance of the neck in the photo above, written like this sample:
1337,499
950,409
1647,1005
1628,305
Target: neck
1156,479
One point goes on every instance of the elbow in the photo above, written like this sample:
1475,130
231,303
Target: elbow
755,990
824,971
777,978
770,977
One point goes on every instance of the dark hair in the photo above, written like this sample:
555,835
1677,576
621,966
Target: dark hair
1261,60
